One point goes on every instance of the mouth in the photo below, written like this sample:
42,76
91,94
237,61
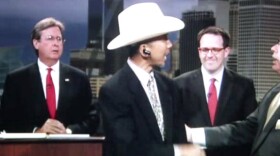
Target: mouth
55,51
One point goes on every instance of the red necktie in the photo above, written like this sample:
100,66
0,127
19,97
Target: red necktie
50,94
212,100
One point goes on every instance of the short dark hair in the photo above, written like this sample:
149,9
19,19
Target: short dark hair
44,24
216,31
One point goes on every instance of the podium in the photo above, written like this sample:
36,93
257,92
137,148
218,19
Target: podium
52,147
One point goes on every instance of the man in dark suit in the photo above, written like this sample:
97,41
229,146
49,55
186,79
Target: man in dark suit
25,105
141,120
262,127
235,94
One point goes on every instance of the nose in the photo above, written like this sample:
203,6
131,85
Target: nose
210,53
169,44
56,43
274,48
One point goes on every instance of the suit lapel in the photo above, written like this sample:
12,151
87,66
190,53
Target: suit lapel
263,132
272,122
166,104
64,88
37,89
225,92
142,100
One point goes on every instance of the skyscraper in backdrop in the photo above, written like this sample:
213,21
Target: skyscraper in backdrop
103,27
233,31
258,29
194,21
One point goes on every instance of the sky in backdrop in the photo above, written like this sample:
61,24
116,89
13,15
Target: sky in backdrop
19,16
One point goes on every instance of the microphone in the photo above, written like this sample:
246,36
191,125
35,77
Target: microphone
146,52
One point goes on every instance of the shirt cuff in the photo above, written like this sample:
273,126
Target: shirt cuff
196,136
68,131
34,130
177,151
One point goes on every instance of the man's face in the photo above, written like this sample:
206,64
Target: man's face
276,57
212,54
159,48
50,45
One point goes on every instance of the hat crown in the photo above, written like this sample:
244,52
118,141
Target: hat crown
143,21
139,16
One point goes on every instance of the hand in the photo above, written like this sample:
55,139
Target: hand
191,150
52,126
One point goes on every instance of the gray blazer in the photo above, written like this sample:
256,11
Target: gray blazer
266,141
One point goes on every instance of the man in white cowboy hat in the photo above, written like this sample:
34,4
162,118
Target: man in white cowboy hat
138,104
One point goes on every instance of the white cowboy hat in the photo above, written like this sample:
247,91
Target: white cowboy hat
143,21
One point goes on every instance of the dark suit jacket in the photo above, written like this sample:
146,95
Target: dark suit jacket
129,122
24,107
266,141
236,101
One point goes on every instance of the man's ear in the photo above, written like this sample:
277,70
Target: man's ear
35,43
144,52
227,51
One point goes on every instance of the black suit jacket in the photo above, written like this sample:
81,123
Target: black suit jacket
265,140
129,122
236,101
24,107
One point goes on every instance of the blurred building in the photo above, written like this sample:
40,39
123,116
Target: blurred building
194,21
95,59
233,31
114,59
102,28
9,60
258,29
220,9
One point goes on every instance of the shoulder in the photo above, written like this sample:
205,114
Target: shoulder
185,77
121,77
24,70
238,77
68,69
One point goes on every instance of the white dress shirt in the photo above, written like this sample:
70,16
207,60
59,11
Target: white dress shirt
55,77
218,76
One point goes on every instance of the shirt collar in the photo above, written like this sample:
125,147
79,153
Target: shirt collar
42,66
141,74
218,75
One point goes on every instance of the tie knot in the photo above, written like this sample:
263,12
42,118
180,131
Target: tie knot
49,70
213,80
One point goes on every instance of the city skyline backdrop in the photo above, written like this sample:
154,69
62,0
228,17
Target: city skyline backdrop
253,25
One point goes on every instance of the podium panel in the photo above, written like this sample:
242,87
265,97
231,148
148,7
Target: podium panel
87,147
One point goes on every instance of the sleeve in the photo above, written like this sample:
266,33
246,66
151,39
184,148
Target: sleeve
234,134
250,102
12,111
89,123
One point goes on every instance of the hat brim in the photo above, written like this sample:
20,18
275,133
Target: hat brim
163,25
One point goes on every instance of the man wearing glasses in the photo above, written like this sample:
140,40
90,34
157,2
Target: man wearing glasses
262,127
214,95
48,96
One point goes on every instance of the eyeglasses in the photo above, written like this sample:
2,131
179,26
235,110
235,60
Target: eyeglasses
52,38
215,51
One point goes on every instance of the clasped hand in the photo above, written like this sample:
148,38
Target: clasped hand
52,126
